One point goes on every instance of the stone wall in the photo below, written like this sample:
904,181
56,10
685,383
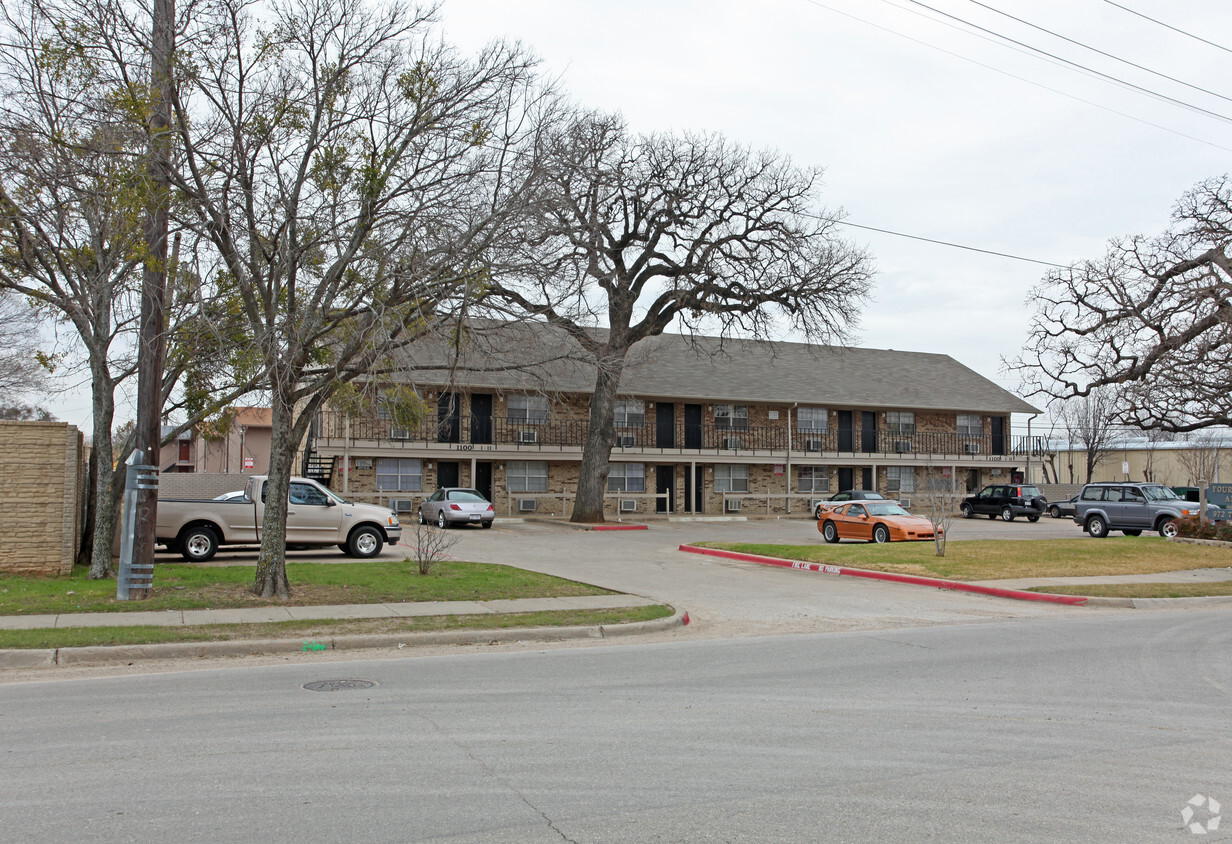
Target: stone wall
42,497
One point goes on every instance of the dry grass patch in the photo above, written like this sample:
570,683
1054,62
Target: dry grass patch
1143,590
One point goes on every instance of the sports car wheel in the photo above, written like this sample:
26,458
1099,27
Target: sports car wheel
881,533
829,532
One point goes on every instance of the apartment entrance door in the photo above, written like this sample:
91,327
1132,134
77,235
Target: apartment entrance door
694,489
448,473
483,478
665,479
665,425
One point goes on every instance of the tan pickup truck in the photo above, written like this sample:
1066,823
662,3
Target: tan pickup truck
316,517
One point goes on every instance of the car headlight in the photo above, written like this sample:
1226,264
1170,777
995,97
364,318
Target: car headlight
393,519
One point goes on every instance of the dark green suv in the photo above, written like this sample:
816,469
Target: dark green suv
1006,501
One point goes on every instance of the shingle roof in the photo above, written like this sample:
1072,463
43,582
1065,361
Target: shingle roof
710,369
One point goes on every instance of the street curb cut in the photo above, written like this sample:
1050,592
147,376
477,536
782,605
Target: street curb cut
955,585
619,527
44,657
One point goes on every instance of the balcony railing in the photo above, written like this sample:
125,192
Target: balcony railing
332,430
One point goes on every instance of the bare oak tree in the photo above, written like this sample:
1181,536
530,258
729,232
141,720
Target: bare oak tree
1151,320
638,234
1088,424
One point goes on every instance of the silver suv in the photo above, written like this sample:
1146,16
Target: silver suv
1130,508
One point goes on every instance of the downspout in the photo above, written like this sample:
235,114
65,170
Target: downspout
788,467
1029,446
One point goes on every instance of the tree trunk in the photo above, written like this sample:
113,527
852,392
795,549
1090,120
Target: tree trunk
102,501
600,437
271,578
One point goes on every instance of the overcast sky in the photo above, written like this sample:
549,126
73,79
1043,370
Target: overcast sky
923,125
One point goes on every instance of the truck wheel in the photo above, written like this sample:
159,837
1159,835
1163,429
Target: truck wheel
1168,528
198,545
1097,527
967,511
829,532
1032,518
1007,515
1132,532
364,542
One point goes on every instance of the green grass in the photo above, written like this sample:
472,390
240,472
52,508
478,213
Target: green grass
179,586
317,630
998,560
1143,590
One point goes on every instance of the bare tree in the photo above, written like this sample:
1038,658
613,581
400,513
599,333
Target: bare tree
21,375
432,544
938,499
1200,456
1088,424
349,170
1152,321
636,234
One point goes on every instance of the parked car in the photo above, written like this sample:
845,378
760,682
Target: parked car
1130,508
457,505
873,521
1007,501
846,495
1061,509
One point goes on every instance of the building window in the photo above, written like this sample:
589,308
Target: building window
627,477
401,474
630,413
970,425
900,422
814,479
527,408
731,417
900,479
812,419
527,475
731,478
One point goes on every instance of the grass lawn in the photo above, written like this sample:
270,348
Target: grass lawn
179,586
1000,560
1144,590
317,630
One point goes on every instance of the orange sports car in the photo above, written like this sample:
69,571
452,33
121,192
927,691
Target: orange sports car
873,521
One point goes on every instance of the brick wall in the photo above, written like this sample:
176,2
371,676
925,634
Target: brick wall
42,497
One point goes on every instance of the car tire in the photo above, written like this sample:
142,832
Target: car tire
1132,532
817,513
1032,519
422,520
365,542
829,532
967,511
1007,515
198,544
881,534
488,523
1168,528
1054,511
1097,527
440,520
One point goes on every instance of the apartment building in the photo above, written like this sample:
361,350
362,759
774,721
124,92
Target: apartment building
703,426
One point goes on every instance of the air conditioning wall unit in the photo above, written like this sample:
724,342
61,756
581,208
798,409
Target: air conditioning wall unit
971,448
731,443
628,505
905,502
528,436
402,505
732,505
526,505
626,440
902,446
814,445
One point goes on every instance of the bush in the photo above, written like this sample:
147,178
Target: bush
1192,527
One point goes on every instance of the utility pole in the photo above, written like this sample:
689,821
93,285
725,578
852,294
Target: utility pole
152,340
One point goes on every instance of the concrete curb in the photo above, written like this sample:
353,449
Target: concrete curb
936,583
619,527
43,657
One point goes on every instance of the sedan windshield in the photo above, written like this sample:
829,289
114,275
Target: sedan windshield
889,508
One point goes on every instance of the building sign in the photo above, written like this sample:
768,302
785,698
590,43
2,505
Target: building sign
778,468
249,462
1220,495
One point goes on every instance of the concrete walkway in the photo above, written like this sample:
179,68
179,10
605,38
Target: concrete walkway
258,615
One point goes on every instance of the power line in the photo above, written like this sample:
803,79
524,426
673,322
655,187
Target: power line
1168,26
948,243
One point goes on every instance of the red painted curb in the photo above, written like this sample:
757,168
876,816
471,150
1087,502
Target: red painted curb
618,527
956,585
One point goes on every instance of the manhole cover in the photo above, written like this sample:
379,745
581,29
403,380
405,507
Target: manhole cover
338,685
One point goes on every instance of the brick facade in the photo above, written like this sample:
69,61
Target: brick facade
42,499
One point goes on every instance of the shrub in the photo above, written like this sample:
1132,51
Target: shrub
1192,527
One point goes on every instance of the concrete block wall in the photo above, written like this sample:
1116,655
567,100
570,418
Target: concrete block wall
42,497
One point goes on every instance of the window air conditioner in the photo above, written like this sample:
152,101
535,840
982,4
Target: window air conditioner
905,502
526,505
628,505
731,443
528,436
626,440
971,448
902,446
732,505
813,445
402,505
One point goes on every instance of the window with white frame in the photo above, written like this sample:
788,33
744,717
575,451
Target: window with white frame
630,413
401,474
730,477
626,477
900,422
813,478
900,479
731,417
528,408
970,425
527,475
812,419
